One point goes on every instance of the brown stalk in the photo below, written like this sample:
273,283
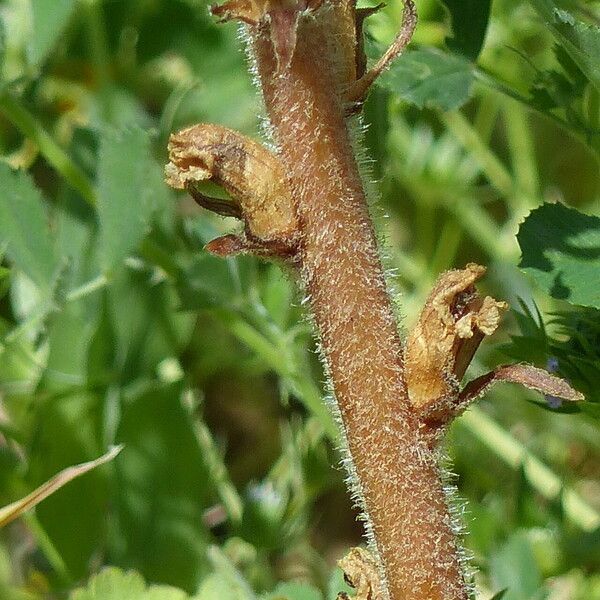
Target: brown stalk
306,205
398,480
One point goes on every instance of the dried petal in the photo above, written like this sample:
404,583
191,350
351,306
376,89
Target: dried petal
531,377
452,324
483,319
252,175
361,572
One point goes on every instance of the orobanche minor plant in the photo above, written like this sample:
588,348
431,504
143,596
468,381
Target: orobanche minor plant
304,203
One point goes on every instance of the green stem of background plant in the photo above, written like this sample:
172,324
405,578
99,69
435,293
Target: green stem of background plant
540,477
31,128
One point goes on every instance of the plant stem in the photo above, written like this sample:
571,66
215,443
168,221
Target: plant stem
99,52
522,151
540,477
481,227
492,81
52,152
395,474
47,547
272,355
88,288
491,165
218,472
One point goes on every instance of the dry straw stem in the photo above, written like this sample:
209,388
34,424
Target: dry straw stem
306,204
16,509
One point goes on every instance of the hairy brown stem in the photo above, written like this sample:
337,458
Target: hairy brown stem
396,474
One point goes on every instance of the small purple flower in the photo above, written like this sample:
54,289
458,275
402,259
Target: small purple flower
553,402
552,364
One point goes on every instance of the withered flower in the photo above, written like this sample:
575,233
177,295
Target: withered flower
253,177
452,324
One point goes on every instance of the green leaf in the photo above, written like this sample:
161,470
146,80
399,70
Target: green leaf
3,44
49,22
294,591
163,488
228,572
514,567
469,25
70,332
561,251
430,78
580,40
75,230
114,584
4,281
208,281
24,227
337,584
144,321
217,587
124,200
68,431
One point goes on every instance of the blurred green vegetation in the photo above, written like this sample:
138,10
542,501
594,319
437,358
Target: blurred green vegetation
116,326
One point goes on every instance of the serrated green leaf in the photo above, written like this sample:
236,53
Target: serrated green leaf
124,200
561,250
469,25
430,78
24,227
49,22
114,584
580,40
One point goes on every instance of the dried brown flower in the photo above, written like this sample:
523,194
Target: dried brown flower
452,324
252,175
